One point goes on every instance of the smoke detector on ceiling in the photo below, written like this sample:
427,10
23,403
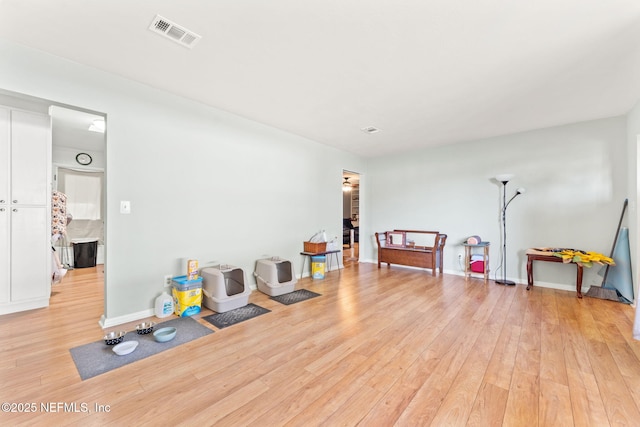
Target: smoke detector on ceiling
370,129
174,32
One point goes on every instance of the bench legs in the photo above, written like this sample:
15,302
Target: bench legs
433,269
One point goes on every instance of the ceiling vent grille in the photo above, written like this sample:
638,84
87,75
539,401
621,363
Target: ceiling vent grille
174,32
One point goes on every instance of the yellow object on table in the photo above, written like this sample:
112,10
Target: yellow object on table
584,258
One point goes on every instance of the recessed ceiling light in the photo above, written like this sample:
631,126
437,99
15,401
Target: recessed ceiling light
97,125
370,129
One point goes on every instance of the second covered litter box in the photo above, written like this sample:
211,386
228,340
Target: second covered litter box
224,288
275,276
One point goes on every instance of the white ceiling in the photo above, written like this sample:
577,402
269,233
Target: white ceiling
426,72
71,130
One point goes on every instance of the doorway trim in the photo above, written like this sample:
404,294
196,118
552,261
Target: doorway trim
354,211
34,103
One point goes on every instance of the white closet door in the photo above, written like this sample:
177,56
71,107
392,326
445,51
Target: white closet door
30,254
25,217
5,240
30,141
5,245
5,138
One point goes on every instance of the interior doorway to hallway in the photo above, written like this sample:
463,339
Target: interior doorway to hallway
350,217
76,147
79,164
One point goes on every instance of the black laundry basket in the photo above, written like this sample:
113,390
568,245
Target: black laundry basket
85,253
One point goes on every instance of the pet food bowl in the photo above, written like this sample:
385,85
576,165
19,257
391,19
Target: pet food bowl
113,338
125,347
165,334
145,328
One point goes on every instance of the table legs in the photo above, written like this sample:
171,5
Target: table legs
579,281
531,258
529,273
336,254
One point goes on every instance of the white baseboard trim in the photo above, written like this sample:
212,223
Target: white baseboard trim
558,286
520,281
105,322
15,307
114,321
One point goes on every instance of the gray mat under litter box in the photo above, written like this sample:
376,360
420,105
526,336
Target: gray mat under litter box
97,358
295,296
231,317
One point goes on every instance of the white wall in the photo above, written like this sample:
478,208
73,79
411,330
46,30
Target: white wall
202,183
633,140
576,182
209,185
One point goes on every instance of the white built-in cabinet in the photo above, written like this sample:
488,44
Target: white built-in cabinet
25,210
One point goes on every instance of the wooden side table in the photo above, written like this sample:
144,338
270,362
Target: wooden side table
468,251
533,255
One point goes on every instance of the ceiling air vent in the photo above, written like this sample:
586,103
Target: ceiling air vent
174,32
370,129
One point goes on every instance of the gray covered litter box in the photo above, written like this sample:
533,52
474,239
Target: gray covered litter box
275,276
224,288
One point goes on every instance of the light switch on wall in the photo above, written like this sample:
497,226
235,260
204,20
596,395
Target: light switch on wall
125,207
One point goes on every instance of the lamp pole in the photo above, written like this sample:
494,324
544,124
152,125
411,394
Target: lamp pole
504,179
504,280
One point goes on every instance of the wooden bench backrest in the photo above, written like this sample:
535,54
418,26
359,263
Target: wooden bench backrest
426,239
432,239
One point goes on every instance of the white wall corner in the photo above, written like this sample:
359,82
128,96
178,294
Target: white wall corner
113,321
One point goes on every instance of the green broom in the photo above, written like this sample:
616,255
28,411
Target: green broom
604,292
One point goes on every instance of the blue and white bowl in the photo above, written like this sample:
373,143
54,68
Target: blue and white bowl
113,338
145,328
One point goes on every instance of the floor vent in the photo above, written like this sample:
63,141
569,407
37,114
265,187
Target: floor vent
174,32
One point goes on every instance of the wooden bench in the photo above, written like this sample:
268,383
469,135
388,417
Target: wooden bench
413,248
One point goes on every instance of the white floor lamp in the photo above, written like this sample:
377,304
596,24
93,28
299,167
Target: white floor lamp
504,179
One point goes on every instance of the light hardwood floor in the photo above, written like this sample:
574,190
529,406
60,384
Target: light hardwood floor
350,255
380,347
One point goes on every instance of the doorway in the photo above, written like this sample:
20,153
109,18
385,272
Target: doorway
350,218
78,157
73,146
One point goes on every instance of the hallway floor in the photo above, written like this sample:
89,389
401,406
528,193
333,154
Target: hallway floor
350,255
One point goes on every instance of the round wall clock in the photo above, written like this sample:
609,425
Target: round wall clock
84,159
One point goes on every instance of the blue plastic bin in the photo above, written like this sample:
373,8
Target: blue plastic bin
318,264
